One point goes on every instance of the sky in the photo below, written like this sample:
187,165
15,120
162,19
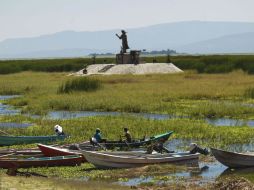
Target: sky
29,18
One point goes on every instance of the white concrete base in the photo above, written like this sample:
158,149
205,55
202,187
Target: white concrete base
146,68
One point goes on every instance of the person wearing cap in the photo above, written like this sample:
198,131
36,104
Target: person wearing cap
127,135
97,135
123,37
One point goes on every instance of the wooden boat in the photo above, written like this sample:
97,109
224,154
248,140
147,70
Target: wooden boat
14,140
31,151
233,159
15,163
65,150
57,151
134,159
136,143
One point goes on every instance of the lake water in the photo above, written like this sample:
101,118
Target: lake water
14,125
202,172
214,121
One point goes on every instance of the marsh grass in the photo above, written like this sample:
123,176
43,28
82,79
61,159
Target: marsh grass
202,64
47,65
79,84
249,93
178,94
213,109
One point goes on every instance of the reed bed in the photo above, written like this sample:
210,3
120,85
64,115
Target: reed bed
178,94
79,84
202,64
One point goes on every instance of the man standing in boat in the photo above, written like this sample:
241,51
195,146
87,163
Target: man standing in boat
123,37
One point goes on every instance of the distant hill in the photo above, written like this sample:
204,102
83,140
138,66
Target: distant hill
189,37
237,43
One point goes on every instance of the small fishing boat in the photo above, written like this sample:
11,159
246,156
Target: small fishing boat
29,151
67,150
136,143
135,159
15,163
57,151
14,140
233,159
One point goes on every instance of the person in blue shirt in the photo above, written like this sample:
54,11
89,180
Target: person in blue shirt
97,135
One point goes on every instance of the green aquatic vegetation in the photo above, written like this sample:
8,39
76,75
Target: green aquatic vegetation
29,183
186,129
123,179
177,94
88,172
212,109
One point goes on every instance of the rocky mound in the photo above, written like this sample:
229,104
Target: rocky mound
113,69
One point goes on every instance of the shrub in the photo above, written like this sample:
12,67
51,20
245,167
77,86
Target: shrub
79,84
249,93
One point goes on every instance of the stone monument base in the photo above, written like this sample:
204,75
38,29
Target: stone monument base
128,58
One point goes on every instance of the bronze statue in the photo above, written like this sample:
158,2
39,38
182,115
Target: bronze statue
123,37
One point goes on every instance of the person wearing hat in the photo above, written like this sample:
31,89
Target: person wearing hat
123,37
127,135
97,136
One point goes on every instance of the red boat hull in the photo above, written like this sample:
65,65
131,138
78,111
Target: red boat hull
56,151
41,162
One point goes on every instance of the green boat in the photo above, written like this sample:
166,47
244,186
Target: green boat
137,143
14,140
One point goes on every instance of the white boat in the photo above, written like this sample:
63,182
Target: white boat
234,159
132,159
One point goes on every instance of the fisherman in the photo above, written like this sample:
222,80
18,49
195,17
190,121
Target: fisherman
123,37
59,130
97,135
127,135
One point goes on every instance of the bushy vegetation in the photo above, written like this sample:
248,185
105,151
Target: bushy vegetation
202,64
48,65
79,84
211,63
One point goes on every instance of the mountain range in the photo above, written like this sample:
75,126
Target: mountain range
193,37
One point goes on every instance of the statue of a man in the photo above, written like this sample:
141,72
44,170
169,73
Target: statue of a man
123,37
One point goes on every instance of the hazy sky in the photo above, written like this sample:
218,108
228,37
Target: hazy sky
25,18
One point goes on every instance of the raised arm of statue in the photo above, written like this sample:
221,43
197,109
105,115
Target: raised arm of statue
118,36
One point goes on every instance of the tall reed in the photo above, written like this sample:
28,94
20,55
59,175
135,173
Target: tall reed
79,84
